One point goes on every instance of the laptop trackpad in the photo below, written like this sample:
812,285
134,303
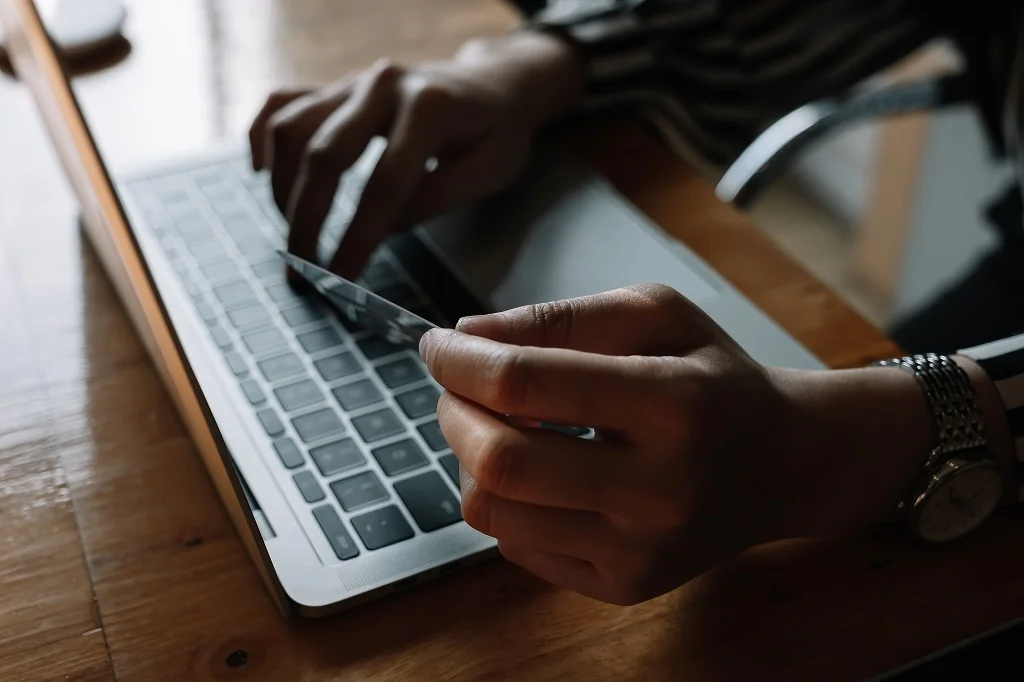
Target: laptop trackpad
561,232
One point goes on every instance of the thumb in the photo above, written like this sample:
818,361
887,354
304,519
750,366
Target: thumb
643,319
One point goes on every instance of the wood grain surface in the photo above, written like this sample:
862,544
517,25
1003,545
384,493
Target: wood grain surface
117,560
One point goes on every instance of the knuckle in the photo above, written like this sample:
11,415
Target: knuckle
508,381
386,72
283,129
495,458
662,296
428,98
555,320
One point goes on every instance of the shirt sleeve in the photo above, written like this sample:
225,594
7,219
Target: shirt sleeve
715,73
1003,361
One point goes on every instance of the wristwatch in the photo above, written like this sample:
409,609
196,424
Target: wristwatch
961,485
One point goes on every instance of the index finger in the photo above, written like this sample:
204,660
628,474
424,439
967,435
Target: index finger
641,319
257,131
552,385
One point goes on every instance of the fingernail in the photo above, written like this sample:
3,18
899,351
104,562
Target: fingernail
465,324
425,342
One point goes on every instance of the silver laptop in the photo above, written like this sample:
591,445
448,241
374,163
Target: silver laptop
320,436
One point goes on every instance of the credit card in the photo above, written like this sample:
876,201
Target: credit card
361,306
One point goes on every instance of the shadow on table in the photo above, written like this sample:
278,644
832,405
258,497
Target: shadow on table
111,54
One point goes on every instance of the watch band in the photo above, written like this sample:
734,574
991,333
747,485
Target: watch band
951,401
1003,362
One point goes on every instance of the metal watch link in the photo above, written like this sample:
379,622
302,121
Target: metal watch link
961,485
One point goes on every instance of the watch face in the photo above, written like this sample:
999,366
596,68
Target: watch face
962,497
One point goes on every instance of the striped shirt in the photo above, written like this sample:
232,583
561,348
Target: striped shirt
713,74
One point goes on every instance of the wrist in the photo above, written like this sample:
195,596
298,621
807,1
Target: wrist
858,440
545,71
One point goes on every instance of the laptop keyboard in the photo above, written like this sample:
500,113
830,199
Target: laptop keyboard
351,417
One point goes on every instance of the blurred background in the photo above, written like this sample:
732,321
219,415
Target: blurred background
889,212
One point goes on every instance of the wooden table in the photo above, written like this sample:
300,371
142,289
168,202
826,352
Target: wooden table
117,559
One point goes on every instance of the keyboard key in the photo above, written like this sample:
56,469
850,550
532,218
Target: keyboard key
192,289
337,456
377,425
382,527
374,347
242,229
431,432
271,422
170,190
194,229
237,364
261,256
180,266
254,246
400,372
320,339
221,338
451,467
280,293
317,425
182,211
308,486
207,251
399,457
250,316
300,394
289,454
280,367
341,542
230,209
264,340
359,491
253,392
303,314
429,500
338,366
269,269
234,294
357,394
206,312
221,269
211,182
419,402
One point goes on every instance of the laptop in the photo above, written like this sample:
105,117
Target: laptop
320,436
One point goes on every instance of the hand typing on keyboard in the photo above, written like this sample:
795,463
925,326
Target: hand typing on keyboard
472,118
700,452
